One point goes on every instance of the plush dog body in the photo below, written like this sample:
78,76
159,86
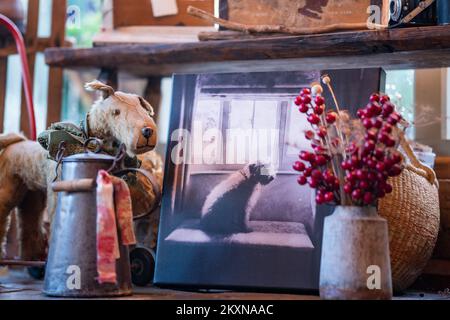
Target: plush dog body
228,207
26,168
24,174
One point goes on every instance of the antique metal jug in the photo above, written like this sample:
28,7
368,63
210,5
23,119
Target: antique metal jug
72,262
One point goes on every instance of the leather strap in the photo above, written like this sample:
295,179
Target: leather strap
85,126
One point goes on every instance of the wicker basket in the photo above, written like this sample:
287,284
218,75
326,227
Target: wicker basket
412,211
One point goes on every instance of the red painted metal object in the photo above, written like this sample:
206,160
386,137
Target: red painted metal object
20,44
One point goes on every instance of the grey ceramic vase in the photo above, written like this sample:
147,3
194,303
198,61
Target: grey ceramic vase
355,256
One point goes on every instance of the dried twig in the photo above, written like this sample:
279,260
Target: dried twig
278,28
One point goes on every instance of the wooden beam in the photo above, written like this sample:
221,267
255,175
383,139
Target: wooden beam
56,75
55,94
153,95
390,61
404,47
3,76
41,45
149,35
109,77
31,36
58,31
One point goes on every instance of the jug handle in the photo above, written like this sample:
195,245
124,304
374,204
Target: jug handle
82,185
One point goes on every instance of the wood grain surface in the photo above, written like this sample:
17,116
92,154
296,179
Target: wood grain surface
301,13
139,13
398,48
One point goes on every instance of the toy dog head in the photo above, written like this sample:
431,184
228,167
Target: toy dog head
127,118
259,173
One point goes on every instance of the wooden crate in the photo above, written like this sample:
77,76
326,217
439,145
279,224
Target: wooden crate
442,167
301,13
139,13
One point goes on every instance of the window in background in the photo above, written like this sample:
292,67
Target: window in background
400,86
14,78
447,122
41,84
446,98
84,20
45,13
13,95
164,113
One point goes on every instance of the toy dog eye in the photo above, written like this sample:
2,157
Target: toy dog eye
116,112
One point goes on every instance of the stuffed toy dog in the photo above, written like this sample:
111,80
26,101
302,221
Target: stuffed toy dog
27,168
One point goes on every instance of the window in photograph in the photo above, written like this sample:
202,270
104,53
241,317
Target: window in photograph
252,133
207,146
235,130
295,135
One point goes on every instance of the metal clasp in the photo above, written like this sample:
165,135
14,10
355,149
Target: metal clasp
98,145
59,157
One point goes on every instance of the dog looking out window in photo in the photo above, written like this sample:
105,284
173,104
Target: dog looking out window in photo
228,207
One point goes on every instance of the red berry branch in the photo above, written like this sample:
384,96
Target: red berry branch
352,159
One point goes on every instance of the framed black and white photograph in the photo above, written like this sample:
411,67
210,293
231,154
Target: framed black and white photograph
233,215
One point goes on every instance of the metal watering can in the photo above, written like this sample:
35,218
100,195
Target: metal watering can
72,261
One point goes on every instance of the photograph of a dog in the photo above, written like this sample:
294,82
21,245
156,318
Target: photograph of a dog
228,207
233,215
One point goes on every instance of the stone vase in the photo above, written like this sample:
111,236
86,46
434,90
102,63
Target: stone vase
355,261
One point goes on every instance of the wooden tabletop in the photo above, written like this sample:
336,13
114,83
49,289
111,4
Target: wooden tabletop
393,49
17,285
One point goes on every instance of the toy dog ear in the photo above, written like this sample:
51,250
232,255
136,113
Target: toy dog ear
147,106
99,86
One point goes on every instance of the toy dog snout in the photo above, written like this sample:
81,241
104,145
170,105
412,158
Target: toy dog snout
147,132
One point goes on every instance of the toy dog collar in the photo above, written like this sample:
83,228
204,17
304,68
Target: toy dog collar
85,126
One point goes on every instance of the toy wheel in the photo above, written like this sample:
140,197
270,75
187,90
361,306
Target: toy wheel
37,273
142,262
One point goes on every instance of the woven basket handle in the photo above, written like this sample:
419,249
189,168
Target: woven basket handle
424,170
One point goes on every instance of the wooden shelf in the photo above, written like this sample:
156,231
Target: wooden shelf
17,285
149,35
423,47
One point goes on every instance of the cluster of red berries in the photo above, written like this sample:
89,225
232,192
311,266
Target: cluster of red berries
369,166
366,165
314,166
